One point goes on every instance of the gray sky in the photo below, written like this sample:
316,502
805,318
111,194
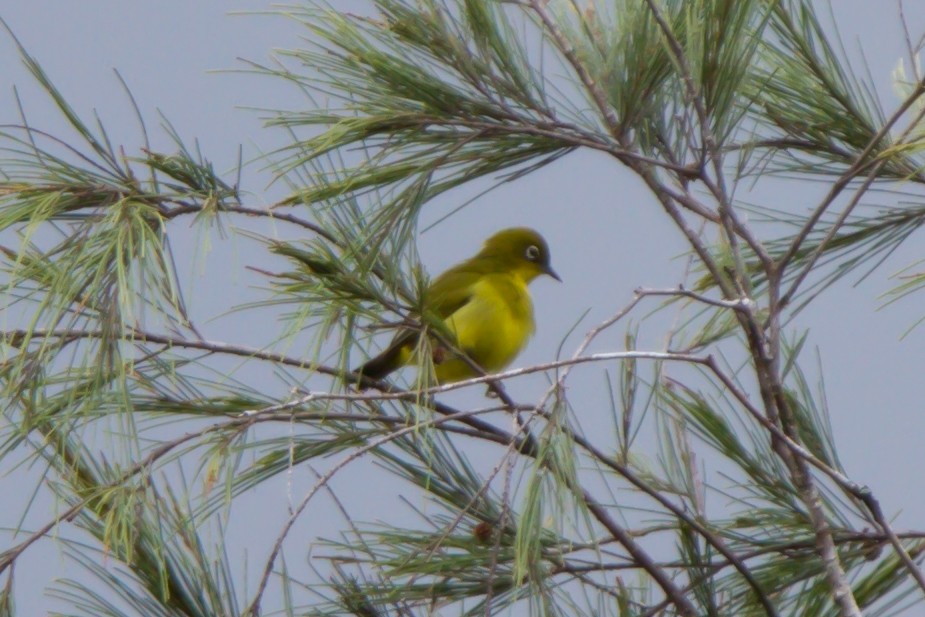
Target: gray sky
606,233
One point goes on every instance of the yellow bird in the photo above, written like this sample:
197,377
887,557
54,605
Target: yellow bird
485,304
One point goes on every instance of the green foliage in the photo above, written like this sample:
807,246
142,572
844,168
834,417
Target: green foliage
717,488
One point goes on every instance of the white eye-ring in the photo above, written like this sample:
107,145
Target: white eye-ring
532,253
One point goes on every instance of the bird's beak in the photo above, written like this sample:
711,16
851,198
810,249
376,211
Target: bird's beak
548,270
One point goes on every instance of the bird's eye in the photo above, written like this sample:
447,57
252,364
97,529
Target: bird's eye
532,253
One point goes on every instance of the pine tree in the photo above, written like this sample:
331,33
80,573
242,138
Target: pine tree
715,487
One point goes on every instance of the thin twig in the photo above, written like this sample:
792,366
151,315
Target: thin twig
856,169
254,608
861,162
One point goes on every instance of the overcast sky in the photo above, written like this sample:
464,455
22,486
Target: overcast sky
606,234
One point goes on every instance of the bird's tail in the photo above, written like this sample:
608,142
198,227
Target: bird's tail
381,365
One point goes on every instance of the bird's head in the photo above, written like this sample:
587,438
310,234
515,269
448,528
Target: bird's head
520,250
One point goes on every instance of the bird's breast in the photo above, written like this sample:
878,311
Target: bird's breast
496,323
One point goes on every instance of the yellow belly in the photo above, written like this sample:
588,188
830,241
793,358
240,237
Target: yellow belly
492,328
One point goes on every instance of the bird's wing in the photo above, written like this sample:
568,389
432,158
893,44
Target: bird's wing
448,293
452,290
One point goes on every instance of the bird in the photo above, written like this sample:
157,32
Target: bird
485,305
